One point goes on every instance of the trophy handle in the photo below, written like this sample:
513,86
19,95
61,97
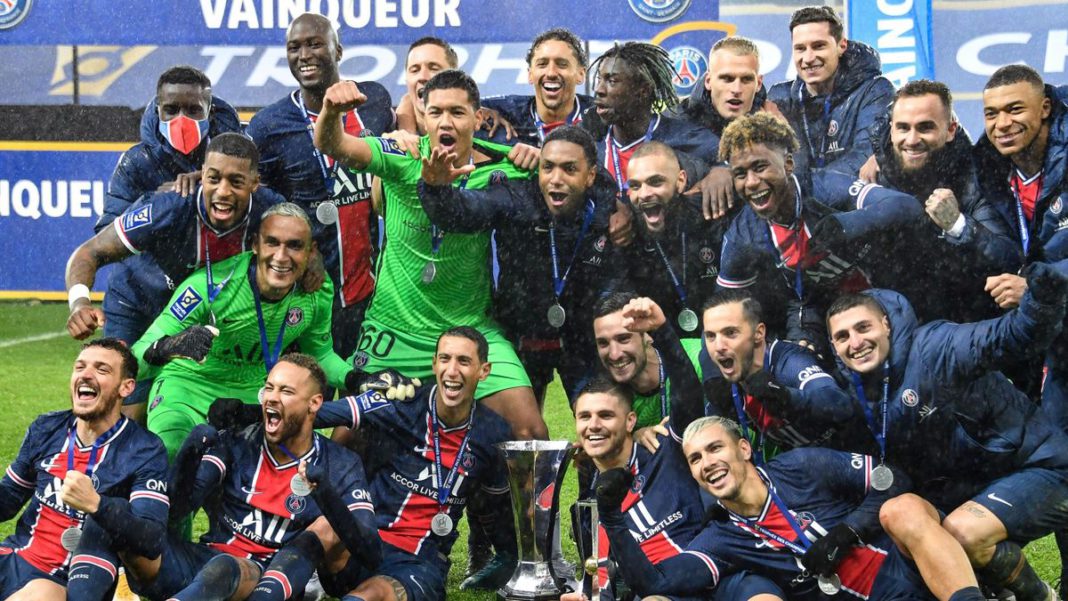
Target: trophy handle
547,552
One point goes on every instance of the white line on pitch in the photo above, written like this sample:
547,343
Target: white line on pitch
25,339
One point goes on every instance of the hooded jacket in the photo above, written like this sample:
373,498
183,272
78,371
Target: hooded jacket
697,108
841,135
151,162
955,422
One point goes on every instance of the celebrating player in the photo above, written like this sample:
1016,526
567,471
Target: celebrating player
88,467
345,229
428,280
227,325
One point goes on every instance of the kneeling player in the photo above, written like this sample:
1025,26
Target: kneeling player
436,452
264,502
807,520
89,465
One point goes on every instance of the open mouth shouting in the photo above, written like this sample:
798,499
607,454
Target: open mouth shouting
222,212
86,391
715,476
448,141
760,201
552,89
272,420
728,366
653,211
452,390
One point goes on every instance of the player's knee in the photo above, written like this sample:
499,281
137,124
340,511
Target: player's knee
905,516
531,430
325,533
973,534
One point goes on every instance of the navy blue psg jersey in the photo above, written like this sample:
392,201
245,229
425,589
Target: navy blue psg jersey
290,164
257,512
176,233
130,464
663,508
404,486
696,145
820,488
519,110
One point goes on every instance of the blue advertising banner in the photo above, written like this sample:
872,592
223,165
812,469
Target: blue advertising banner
901,30
263,22
50,197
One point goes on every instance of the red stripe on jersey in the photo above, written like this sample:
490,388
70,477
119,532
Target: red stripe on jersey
1027,191
624,159
759,415
93,560
270,489
793,244
859,569
777,523
221,246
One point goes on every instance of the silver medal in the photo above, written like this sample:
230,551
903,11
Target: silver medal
441,524
882,478
430,271
829,585
70,538
688,320
326,212
300,486
556,315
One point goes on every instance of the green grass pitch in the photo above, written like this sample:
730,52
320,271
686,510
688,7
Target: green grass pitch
36,357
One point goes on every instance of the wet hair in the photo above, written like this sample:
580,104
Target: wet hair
471,334
818,14
730,426
287,209
604,385
653,148
453,79
576,135
450,53
309,363
852,300
923,87
652,64
236,145
1010,74
560,34
129,362
183,74
751,309
737,45
757,128
612,302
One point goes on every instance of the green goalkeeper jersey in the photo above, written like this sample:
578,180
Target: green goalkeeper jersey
460,291
236,358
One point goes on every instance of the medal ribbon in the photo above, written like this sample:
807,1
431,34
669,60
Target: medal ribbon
743,418
315,451
326,169
611,150
576,117
880,437
560,281
72,445
213,290
823,122
436,235
270,354
800,546
663,386
799,240
1021,219
680,288
444,488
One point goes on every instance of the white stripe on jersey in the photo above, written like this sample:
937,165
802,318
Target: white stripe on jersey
151,496
218,463
711,565
19,480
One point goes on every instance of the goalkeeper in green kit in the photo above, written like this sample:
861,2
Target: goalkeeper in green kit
227,324
430,280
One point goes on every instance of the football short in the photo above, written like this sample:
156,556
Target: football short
381,347
16,572
180,562
744,585
178,404
898,578
1030,503
422,579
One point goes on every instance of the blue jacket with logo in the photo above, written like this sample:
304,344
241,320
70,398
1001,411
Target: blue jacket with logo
955,422
840,136
151,162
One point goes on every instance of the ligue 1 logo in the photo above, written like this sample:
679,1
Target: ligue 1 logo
659,11
690,66
12,12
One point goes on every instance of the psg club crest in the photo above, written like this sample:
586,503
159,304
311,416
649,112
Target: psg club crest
12,12
690,66
600,244
805,519
498,177
294,316
910,398
295,504
832,129
637,484
1056,207
707,255
658,11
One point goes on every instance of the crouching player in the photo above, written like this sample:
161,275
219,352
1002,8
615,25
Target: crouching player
88,467
274,485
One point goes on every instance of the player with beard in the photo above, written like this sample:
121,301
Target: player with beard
816,251
426,57
631,79
345,228
87,467
551,245
430,280
921,150
271,486
675,258
433,454
225,329
776,390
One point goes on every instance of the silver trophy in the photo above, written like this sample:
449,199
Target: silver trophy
536,471
591,565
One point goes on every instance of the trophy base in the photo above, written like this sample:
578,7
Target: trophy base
532,581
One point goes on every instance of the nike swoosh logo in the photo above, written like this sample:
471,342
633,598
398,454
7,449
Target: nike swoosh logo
230,320
250,491
994,497
416,583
